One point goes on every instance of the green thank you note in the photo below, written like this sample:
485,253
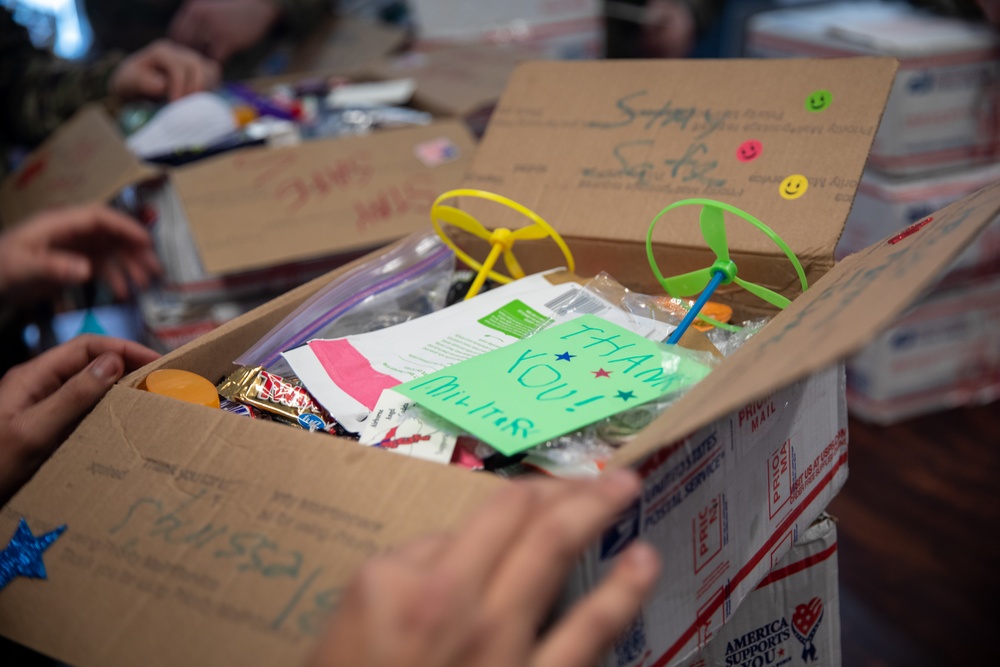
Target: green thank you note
554,382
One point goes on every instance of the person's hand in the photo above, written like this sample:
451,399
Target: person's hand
42,400
163,70
69,246
220,28
669,30
482,595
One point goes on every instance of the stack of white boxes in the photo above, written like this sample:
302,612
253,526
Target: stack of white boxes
939,141
936,144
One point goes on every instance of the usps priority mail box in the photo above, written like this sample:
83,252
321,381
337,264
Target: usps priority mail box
792,618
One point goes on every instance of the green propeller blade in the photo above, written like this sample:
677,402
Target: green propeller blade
764,293
713,228
687,284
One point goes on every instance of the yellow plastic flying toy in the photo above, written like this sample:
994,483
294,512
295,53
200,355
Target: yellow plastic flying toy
500,239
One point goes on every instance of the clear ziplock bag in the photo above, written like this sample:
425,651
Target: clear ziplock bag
404,282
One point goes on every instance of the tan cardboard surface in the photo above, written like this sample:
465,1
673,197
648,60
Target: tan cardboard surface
266,206
454,81
835,318
344,45
598,148
202,538
220,546
83,161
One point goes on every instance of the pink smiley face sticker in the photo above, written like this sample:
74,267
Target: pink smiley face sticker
749,150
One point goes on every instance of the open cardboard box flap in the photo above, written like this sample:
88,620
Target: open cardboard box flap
835,318
599,148
84,160
455,80
260,207
343,45
320,197
198,537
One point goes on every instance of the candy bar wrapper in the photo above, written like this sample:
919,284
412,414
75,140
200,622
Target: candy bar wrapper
281,399
238,408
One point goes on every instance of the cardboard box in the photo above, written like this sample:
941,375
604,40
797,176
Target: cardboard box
942,112
943,353
455,80
199,537
792,617
600,161
344,45
556,29
886,205
256,208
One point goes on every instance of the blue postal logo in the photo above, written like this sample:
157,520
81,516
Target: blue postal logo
921,83
630,647
624,531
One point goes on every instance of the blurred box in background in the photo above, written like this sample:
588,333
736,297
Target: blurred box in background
884,205
250,223
943,109
944,353
938,142
551,29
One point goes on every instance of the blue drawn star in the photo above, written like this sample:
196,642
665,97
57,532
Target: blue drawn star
23,555
565,356
625,395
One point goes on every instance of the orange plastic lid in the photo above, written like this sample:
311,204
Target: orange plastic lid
184,386
715,310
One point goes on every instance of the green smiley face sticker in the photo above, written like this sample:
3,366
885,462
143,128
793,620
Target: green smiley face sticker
818,100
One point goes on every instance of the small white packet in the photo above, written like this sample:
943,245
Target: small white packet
395,426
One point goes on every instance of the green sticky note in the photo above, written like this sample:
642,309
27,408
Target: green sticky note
516,319
555,382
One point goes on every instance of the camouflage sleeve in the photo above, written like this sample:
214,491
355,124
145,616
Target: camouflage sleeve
39,91
299,17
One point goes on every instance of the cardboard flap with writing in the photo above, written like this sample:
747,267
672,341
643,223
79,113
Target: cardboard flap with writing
598,148
832,320
85,160
266,206
250,528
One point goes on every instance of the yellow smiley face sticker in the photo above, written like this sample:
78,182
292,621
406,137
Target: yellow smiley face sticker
793,187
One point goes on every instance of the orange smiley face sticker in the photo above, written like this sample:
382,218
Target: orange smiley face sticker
793,187
749,150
